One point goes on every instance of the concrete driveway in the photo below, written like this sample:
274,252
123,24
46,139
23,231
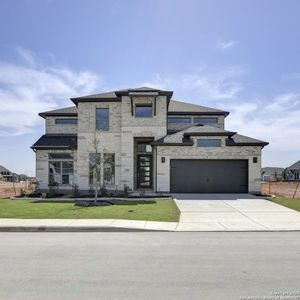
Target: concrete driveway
233,212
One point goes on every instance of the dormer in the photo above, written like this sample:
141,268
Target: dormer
61,120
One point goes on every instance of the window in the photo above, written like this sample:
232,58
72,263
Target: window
144,148
179,120
61,172
109,168
206,120
296,176
209,143
65,121
102,119
143,111
94,168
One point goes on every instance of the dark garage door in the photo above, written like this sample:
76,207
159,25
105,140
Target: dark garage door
209,176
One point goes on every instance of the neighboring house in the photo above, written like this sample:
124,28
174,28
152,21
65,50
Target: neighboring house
146,141
292,172
272,174
6,175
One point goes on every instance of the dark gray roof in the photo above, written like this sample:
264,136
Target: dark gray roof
179,107
115,95
242,140
182,137
198,130
56,141
3,169
272,170
67,111
295,166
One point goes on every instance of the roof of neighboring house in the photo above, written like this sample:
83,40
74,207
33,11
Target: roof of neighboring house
56,141
295,166
67,111
272,170
182,137
3,169
116,95
180,107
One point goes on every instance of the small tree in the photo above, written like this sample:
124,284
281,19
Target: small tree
96,166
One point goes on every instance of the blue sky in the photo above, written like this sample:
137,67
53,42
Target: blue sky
242,56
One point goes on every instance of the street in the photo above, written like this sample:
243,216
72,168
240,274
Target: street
149,265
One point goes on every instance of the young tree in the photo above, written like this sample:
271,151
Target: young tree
96,165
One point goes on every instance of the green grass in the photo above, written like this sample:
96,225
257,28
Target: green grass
157,210
288,202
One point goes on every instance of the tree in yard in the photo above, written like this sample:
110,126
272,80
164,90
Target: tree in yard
95,165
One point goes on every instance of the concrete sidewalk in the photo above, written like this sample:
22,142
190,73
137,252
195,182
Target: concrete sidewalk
65,225
233,212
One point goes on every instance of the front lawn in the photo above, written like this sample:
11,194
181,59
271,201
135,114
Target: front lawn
288,202
156,210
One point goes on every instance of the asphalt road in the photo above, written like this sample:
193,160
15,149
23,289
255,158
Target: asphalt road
149,265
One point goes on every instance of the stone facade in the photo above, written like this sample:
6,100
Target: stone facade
194,152
124,130
181,126
51,127
42,167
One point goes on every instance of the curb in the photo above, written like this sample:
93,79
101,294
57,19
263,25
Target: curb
71,229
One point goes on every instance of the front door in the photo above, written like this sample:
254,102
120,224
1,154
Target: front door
144,171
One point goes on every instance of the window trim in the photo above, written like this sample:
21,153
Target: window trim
101,129
209,146
143,105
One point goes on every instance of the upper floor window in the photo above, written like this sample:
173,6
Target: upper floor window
102,119
206,120
143,111
179,120
65,121
209,143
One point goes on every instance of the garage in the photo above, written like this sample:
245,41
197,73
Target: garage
208,176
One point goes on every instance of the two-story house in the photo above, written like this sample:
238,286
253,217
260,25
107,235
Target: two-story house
145,140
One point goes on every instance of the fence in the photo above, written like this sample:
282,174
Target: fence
10,189
282,188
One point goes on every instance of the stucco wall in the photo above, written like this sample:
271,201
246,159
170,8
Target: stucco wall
194,152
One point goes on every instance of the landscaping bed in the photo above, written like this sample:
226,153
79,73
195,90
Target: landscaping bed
149,210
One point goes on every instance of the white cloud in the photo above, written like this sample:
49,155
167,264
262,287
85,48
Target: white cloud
205,84
31,86
225,45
